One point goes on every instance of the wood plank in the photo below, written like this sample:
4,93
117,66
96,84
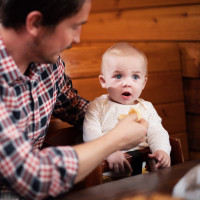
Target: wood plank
84,60
190,59
184,143
194,155
173,117
161,88
193,131
176,23
89,88
102,5
192,95
164,87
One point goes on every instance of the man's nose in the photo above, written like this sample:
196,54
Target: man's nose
77,36
77,39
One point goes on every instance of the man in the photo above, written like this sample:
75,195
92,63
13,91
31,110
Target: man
32,87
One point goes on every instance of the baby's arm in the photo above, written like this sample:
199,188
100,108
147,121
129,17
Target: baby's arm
158,139
92,122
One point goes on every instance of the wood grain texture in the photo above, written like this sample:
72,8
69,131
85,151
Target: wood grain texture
190,59
173,117
192,95
104,5
84,61
194,155
159,184
193,131
160,88
176,23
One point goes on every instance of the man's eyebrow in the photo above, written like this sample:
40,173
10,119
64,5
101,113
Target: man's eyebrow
81,23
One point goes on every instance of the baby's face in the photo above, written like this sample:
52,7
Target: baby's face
124,78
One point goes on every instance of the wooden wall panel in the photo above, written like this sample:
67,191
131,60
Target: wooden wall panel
173,117
194,132
102,5
85,60
164,87
89,88
192,95
153,24
190,59
167,88
194,155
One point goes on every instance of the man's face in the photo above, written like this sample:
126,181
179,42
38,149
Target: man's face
124,77
49,44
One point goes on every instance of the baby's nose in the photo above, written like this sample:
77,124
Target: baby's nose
127,83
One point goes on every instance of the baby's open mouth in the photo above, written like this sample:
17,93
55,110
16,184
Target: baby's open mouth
126,94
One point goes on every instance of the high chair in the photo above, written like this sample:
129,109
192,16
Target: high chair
68,136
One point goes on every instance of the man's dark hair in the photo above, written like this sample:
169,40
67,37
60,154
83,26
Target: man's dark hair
13,12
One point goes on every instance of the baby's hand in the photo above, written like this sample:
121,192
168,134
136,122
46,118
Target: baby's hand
162,159
118,163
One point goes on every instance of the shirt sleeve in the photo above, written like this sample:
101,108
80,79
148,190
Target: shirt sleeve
157,136
69,107
33,173
92,128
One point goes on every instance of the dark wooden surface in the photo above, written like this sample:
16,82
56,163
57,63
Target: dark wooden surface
161,181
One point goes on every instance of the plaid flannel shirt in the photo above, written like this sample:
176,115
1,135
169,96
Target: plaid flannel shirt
26,105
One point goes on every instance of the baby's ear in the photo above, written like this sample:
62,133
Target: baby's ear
145,81
102,81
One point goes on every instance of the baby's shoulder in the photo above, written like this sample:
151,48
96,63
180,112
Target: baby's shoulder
101,99
145,103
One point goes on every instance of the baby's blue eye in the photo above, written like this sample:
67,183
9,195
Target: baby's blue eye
118,76
135,77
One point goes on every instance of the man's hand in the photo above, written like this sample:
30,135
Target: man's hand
130,132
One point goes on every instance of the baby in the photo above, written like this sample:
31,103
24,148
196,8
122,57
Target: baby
124,75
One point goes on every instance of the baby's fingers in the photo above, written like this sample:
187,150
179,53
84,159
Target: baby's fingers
128,165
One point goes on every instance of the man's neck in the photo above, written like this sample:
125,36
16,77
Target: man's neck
15,42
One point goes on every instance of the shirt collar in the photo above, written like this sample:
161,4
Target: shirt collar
9,70
141,102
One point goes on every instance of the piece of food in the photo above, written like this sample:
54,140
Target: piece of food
155,196
132,111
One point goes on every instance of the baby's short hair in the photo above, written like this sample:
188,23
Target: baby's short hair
123,49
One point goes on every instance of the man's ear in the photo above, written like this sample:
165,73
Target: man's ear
102,81
33,22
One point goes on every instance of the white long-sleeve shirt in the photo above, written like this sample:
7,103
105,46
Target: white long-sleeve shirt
102,116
